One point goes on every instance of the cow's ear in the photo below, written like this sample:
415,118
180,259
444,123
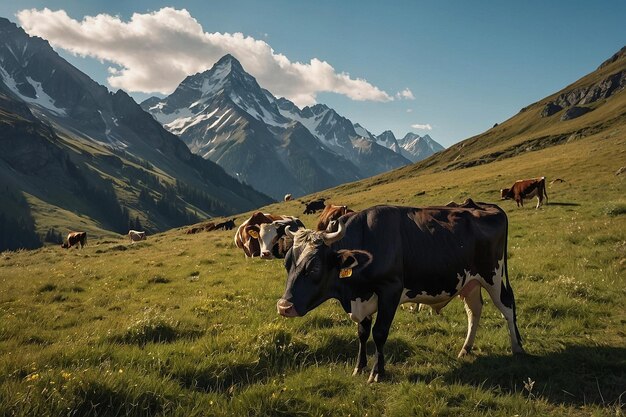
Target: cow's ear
347,260
253,231
352,261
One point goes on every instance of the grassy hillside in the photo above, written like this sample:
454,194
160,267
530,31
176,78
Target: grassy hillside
529,131
184,325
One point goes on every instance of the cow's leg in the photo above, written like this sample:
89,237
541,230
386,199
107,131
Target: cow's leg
504,300
387,303
365,327
538,202
473,307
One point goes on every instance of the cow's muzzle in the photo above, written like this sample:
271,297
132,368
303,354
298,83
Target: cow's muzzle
286,309
266,255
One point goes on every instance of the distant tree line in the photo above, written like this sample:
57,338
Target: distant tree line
102,199
17,226
17,233
169,206
53,236
202,200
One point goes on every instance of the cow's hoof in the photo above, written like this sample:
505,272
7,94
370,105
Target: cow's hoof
375,378
464,352
358,371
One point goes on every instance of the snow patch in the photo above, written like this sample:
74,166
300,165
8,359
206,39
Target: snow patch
215,123
179,126
41,100
165,118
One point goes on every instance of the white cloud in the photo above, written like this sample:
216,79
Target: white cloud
405,94
426,126
154,52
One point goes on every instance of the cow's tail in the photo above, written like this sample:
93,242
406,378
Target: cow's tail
506,275
544,188
506,253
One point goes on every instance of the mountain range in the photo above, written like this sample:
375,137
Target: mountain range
224,115
74,155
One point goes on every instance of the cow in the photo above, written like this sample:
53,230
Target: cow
75,238
227,225
314,206
526,189
331,212
273,241
387,255
287,197
136,236
249,242
203,227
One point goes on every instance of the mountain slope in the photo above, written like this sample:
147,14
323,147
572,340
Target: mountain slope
601,93
69,142
225,116
339,134
417,147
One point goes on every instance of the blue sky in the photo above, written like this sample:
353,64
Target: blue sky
467,64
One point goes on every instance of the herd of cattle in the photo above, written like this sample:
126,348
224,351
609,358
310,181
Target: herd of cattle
378,258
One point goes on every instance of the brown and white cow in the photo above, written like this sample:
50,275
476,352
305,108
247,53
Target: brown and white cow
136,236
287,197
331,212
246,237
526,189
273,239
78,239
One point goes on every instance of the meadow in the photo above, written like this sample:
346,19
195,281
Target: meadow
183,325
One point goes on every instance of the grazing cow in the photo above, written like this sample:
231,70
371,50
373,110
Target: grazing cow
330,213
204,227
314,206
386,255
287,197
273,241
136,236
246,237
526,189
75,238
227,225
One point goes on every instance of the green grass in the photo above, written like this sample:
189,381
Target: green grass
183,325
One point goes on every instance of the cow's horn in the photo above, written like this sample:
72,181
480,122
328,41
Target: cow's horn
289,233
330,238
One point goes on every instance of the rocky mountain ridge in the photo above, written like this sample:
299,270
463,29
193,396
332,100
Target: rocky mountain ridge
224,115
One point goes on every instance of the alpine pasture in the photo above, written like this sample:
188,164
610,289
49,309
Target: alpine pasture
183,325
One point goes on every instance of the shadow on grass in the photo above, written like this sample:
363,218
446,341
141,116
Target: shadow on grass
342,348
578,375
557,203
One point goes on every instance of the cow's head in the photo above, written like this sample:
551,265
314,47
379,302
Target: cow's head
504,193
273,239
314,270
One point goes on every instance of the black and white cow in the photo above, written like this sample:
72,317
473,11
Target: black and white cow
385,256
273,240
